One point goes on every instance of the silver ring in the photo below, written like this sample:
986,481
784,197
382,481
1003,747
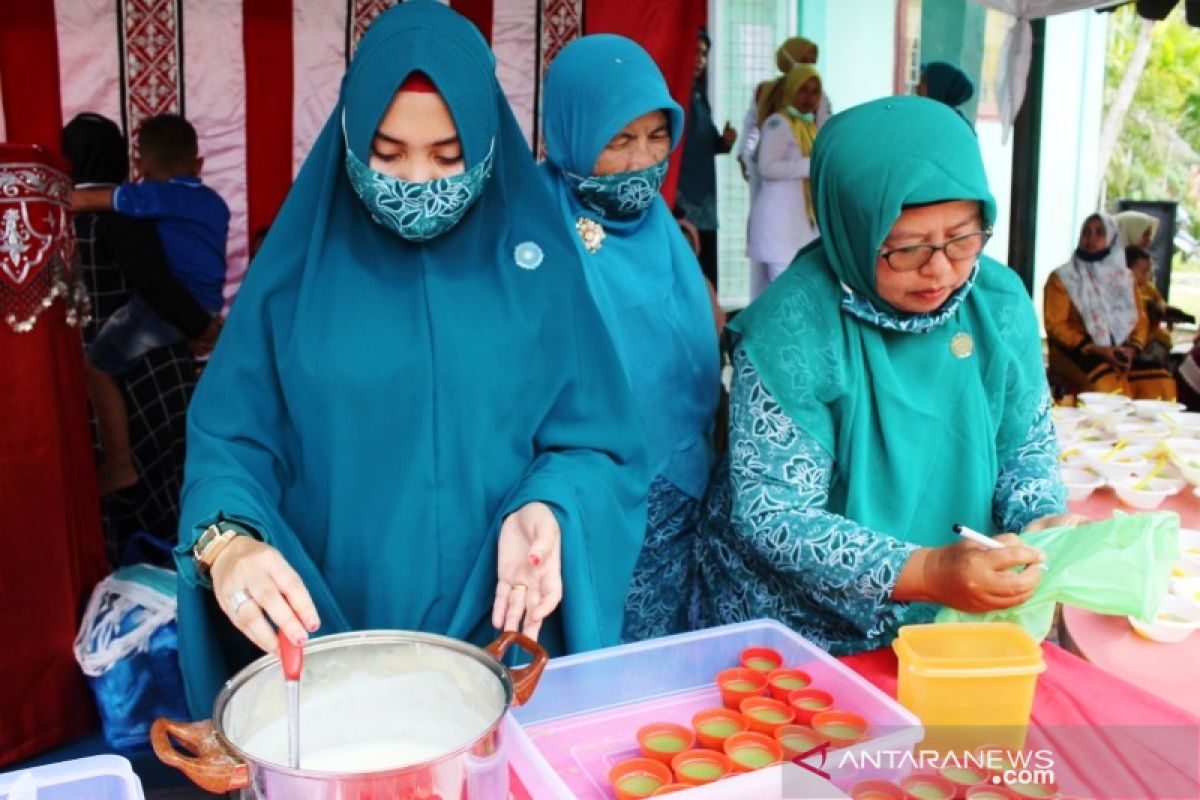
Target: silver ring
236,600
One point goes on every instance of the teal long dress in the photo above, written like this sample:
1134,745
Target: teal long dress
376,407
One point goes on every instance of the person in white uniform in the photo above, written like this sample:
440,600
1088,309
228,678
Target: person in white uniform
794,51
781,215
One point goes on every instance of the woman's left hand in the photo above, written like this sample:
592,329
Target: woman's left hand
528,569
1067,520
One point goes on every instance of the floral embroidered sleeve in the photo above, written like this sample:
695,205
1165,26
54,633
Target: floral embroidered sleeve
811,561
1030,484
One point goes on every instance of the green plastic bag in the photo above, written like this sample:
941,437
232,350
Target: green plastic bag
1121,566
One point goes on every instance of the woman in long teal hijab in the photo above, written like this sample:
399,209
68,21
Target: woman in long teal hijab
888,386
412,368
607,143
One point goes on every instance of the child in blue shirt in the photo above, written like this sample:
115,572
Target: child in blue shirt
193,223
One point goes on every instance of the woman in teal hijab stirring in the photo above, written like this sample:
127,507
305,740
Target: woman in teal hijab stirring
607,143
888,386
414,411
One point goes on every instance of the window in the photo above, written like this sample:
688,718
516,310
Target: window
908,46
996,28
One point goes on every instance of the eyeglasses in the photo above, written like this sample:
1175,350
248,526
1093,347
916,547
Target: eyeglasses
914,256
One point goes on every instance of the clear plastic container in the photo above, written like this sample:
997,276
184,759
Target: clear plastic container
587,709
94,778
970,684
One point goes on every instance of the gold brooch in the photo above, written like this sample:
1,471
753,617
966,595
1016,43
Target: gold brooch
962,345
591,232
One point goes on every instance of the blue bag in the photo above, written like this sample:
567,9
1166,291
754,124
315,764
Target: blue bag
128,647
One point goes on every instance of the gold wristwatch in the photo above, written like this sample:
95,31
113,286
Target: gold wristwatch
210,544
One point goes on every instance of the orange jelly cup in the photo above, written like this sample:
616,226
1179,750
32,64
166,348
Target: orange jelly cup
636,778
764,715
749,751
797,739
927,786
841,728
762,659
662,740
671,788
806,702
877,790
697,767
714,725
782,682
738,683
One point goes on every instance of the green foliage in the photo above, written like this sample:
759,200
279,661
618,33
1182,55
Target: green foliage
1159,146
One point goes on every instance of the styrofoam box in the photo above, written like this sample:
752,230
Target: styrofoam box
94,778
584,715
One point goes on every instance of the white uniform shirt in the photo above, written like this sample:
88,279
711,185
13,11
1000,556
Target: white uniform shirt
779,223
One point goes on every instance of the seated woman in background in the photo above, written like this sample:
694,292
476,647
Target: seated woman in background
887,386
1158,345
1095,325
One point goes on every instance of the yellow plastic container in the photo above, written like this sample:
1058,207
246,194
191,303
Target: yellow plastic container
970,684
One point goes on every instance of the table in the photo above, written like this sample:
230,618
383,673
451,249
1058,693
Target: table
1108,738
1109,642
1163,669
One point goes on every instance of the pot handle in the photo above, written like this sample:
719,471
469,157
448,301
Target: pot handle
214,769
524,679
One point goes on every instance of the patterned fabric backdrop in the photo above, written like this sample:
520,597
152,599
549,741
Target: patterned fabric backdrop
258,77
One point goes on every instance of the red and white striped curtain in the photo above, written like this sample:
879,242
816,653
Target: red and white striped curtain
258,78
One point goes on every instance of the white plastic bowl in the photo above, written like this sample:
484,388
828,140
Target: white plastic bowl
1098,399
1154,409
1186,423
1141,431
1129,460
1157,490
1185,568
1080,482
1187,588
1175,620
1189,545
1189,468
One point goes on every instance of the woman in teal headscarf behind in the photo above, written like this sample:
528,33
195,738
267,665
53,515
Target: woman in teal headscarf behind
887,386
414,395
607,143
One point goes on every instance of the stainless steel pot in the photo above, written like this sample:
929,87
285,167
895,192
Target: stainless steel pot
384,715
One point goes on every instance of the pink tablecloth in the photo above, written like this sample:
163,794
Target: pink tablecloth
1110,739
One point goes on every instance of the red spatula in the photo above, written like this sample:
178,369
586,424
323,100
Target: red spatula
291,656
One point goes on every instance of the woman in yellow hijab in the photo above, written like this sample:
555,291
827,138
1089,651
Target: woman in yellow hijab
767,95
781,215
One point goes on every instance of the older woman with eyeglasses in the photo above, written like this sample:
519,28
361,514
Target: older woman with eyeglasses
886,387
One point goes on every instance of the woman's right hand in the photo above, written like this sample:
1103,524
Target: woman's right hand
274,592
1119,357
972,578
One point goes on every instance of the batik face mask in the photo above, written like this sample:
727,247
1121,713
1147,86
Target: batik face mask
621,195
417,211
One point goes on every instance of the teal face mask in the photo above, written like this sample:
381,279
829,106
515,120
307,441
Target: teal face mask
621,195
417,211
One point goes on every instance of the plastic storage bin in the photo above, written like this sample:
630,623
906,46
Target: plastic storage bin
587,709
93,778
970,684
